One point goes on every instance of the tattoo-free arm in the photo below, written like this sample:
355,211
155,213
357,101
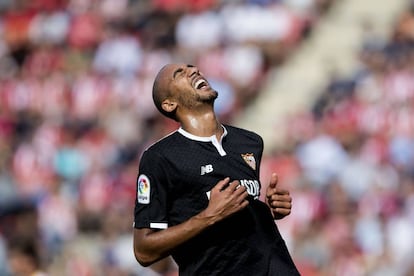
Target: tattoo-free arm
152,245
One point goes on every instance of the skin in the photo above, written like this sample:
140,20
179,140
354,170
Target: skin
194,109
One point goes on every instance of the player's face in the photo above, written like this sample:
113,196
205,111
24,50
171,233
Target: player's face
189,86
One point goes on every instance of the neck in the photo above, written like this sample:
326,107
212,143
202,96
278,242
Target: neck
203,125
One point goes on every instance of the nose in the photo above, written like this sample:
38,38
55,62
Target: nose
192,70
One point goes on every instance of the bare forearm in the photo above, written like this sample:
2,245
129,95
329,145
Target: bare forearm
159,244
151,246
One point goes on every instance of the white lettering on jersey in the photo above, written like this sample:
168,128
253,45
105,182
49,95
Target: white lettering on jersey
252,187
206,169
143,189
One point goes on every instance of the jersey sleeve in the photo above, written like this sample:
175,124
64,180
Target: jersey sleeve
151,193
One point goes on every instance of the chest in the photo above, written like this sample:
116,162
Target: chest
200,166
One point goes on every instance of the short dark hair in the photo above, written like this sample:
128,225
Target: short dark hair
159,94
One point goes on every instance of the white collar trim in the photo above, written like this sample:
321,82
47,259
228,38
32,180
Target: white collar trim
212,139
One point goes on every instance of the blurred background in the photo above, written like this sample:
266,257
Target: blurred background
329,84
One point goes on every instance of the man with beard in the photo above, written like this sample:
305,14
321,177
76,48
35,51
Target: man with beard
198,190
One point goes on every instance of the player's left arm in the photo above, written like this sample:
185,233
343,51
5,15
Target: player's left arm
279,200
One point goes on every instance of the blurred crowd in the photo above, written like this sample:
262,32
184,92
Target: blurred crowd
76,113
350,164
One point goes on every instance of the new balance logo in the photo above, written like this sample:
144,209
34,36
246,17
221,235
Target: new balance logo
206,169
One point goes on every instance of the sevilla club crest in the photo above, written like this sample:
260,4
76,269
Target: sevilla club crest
250,160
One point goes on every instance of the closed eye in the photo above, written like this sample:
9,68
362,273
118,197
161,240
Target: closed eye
176,72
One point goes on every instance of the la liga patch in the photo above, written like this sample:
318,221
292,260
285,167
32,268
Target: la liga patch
143,189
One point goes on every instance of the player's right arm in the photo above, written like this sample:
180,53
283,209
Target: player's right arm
151,245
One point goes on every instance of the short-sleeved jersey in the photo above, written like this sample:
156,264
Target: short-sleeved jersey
175,177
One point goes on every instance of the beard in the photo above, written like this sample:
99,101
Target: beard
204,97
209,98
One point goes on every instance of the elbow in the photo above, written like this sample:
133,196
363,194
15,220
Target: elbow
143,259
145,249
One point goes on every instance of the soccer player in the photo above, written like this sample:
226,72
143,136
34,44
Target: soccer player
198,190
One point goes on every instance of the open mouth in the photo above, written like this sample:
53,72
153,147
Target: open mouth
200,84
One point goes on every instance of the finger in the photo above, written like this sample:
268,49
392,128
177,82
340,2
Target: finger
273,180
234,185
281,212
243,204
281,204
221,185
272,185
281,191
237,191
269,193
241,193
281,198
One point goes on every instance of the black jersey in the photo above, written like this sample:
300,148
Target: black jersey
176,175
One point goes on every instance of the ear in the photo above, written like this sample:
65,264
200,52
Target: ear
169,105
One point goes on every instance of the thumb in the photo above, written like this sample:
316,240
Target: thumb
273,180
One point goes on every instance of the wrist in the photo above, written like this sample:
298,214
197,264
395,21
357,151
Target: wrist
205,218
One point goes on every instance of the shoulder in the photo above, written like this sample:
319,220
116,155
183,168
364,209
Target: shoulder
163,145
236,131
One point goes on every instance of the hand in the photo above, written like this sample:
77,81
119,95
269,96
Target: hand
279,200
226,198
